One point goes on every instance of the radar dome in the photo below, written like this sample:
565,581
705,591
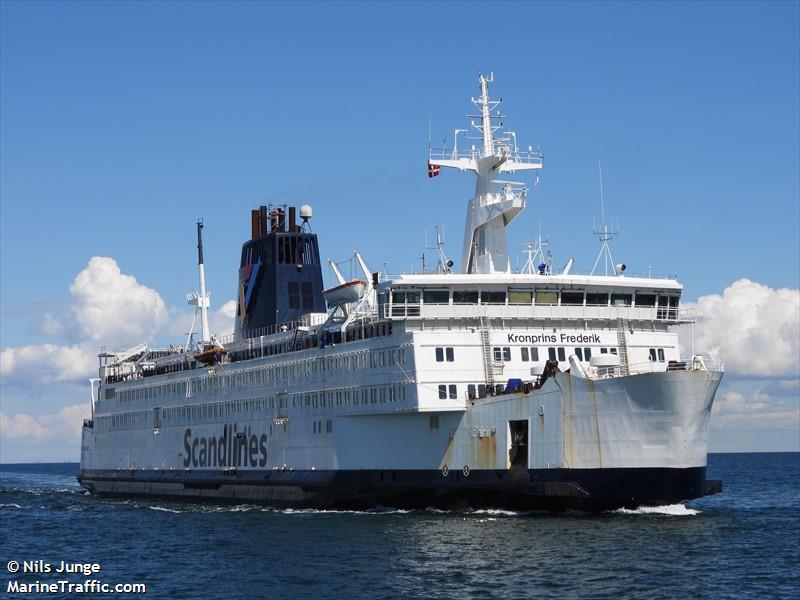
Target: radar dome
306,212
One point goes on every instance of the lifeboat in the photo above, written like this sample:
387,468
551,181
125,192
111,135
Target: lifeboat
348,292
211,355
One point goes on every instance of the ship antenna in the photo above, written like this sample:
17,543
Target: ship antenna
604,233
444,265
537,261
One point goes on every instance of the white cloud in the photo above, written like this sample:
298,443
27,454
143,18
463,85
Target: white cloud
733,409
65,424
49,325
222,319
754,329
47,363
109,308
113,308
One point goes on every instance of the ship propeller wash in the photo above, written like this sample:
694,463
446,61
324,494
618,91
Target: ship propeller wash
483,388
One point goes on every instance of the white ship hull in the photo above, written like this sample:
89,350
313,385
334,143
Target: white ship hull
625,441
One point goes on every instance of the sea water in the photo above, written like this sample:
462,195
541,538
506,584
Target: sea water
744,542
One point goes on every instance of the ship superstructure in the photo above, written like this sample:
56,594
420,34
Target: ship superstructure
485,387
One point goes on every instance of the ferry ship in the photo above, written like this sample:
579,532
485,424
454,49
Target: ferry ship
542,389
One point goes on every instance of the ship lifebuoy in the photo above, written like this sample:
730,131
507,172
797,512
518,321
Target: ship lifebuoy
465,470
445,471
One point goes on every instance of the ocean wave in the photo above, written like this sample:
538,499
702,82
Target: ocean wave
672,510
164,509
498,512
10,505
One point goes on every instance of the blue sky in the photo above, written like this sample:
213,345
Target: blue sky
124,122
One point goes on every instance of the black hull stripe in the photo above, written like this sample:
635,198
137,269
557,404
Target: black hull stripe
516,489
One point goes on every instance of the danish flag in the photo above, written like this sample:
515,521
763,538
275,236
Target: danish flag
433,170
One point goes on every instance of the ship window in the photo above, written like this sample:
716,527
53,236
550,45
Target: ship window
506,354
652,354
471,391
294,294
481,390
587,354
524,353
613,350
453,391
436,297
596,299
562,355
645,300
308,295
534,354
328,426
621,299
571,298
660,355
579,353
551,353
449,354
546,298
465,297
498,354
433,422
442,392
520,297
493,297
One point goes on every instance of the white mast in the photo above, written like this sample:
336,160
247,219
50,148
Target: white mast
497,201
604,233
200,299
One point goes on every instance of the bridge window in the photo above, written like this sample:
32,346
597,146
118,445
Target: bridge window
522,297
524,353
571,298
596,298
448,352
621,299
546,298
493,297
660,355
436,297
465,297
653,354
405,303
453,391
442,391
645,299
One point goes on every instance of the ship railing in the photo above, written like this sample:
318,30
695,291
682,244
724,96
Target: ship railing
695,363
475,153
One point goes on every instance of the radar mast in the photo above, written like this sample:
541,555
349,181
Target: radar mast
497,201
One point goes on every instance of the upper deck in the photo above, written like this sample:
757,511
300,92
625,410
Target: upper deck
530,296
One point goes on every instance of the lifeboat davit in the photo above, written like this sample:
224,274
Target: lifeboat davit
348,292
